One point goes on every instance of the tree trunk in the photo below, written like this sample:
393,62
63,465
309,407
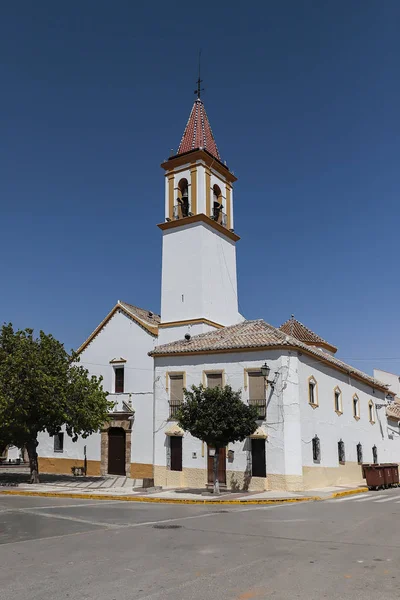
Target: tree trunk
216,465
33,460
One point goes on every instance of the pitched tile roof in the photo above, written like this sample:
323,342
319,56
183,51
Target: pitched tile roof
145,318
198,132
252,335
393,410
293,327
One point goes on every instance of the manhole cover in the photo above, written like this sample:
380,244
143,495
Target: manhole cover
167,526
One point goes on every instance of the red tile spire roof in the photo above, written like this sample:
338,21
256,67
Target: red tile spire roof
198,132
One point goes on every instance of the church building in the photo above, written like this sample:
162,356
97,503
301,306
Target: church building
319,418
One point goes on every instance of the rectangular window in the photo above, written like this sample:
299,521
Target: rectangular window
338,407
257,392
176,453
341,453
119,380
375,454
59,442
176,393
214,380
359,454
258,464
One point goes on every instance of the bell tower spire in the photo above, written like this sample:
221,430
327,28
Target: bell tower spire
199,284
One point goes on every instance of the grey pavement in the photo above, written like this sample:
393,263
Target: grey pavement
59,548
112,485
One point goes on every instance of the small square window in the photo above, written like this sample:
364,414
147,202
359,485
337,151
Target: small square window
59,442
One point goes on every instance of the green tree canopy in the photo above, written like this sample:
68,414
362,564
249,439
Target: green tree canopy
43,388
217,416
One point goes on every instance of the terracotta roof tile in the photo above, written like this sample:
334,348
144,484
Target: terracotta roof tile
254,334
393,410
144,315
304,334
198,133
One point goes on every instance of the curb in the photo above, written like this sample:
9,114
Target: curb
155,500
349,492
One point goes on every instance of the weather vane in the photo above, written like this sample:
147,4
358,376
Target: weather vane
199,82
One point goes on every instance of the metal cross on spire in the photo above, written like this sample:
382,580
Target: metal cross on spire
199,82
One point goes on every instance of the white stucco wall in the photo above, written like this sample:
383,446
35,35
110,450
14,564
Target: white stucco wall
178,332
282,416
120,337
391,379
198,275
331,427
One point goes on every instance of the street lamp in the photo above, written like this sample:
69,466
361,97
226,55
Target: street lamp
265,371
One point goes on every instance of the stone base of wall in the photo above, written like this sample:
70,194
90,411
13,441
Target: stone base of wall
287,483
63,466
318,477
197,479
141,471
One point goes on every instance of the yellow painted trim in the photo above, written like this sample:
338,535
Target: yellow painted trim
155,500
193,188
371,414
228,205
312,379
117,361
190,322
169,373
208,192
211,372
149,328
199,155
349,492
322,345
197,219
338,411
171,199
357,414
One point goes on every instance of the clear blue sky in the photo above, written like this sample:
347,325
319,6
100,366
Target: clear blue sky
303,98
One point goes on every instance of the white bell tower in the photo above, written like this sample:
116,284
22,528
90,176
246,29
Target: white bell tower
199,284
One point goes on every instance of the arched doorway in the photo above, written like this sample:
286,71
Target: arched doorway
116,451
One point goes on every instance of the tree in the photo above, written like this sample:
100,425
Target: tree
43,388
218,417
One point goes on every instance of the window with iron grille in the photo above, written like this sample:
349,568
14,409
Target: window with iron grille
59,442
341,452
359,453
119,380
257,393
176,393
375,454
316,449
176,452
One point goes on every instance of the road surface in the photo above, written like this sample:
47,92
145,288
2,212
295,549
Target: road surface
69,549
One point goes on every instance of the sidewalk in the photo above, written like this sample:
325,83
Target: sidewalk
122,488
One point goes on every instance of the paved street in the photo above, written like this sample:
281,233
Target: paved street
82,549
